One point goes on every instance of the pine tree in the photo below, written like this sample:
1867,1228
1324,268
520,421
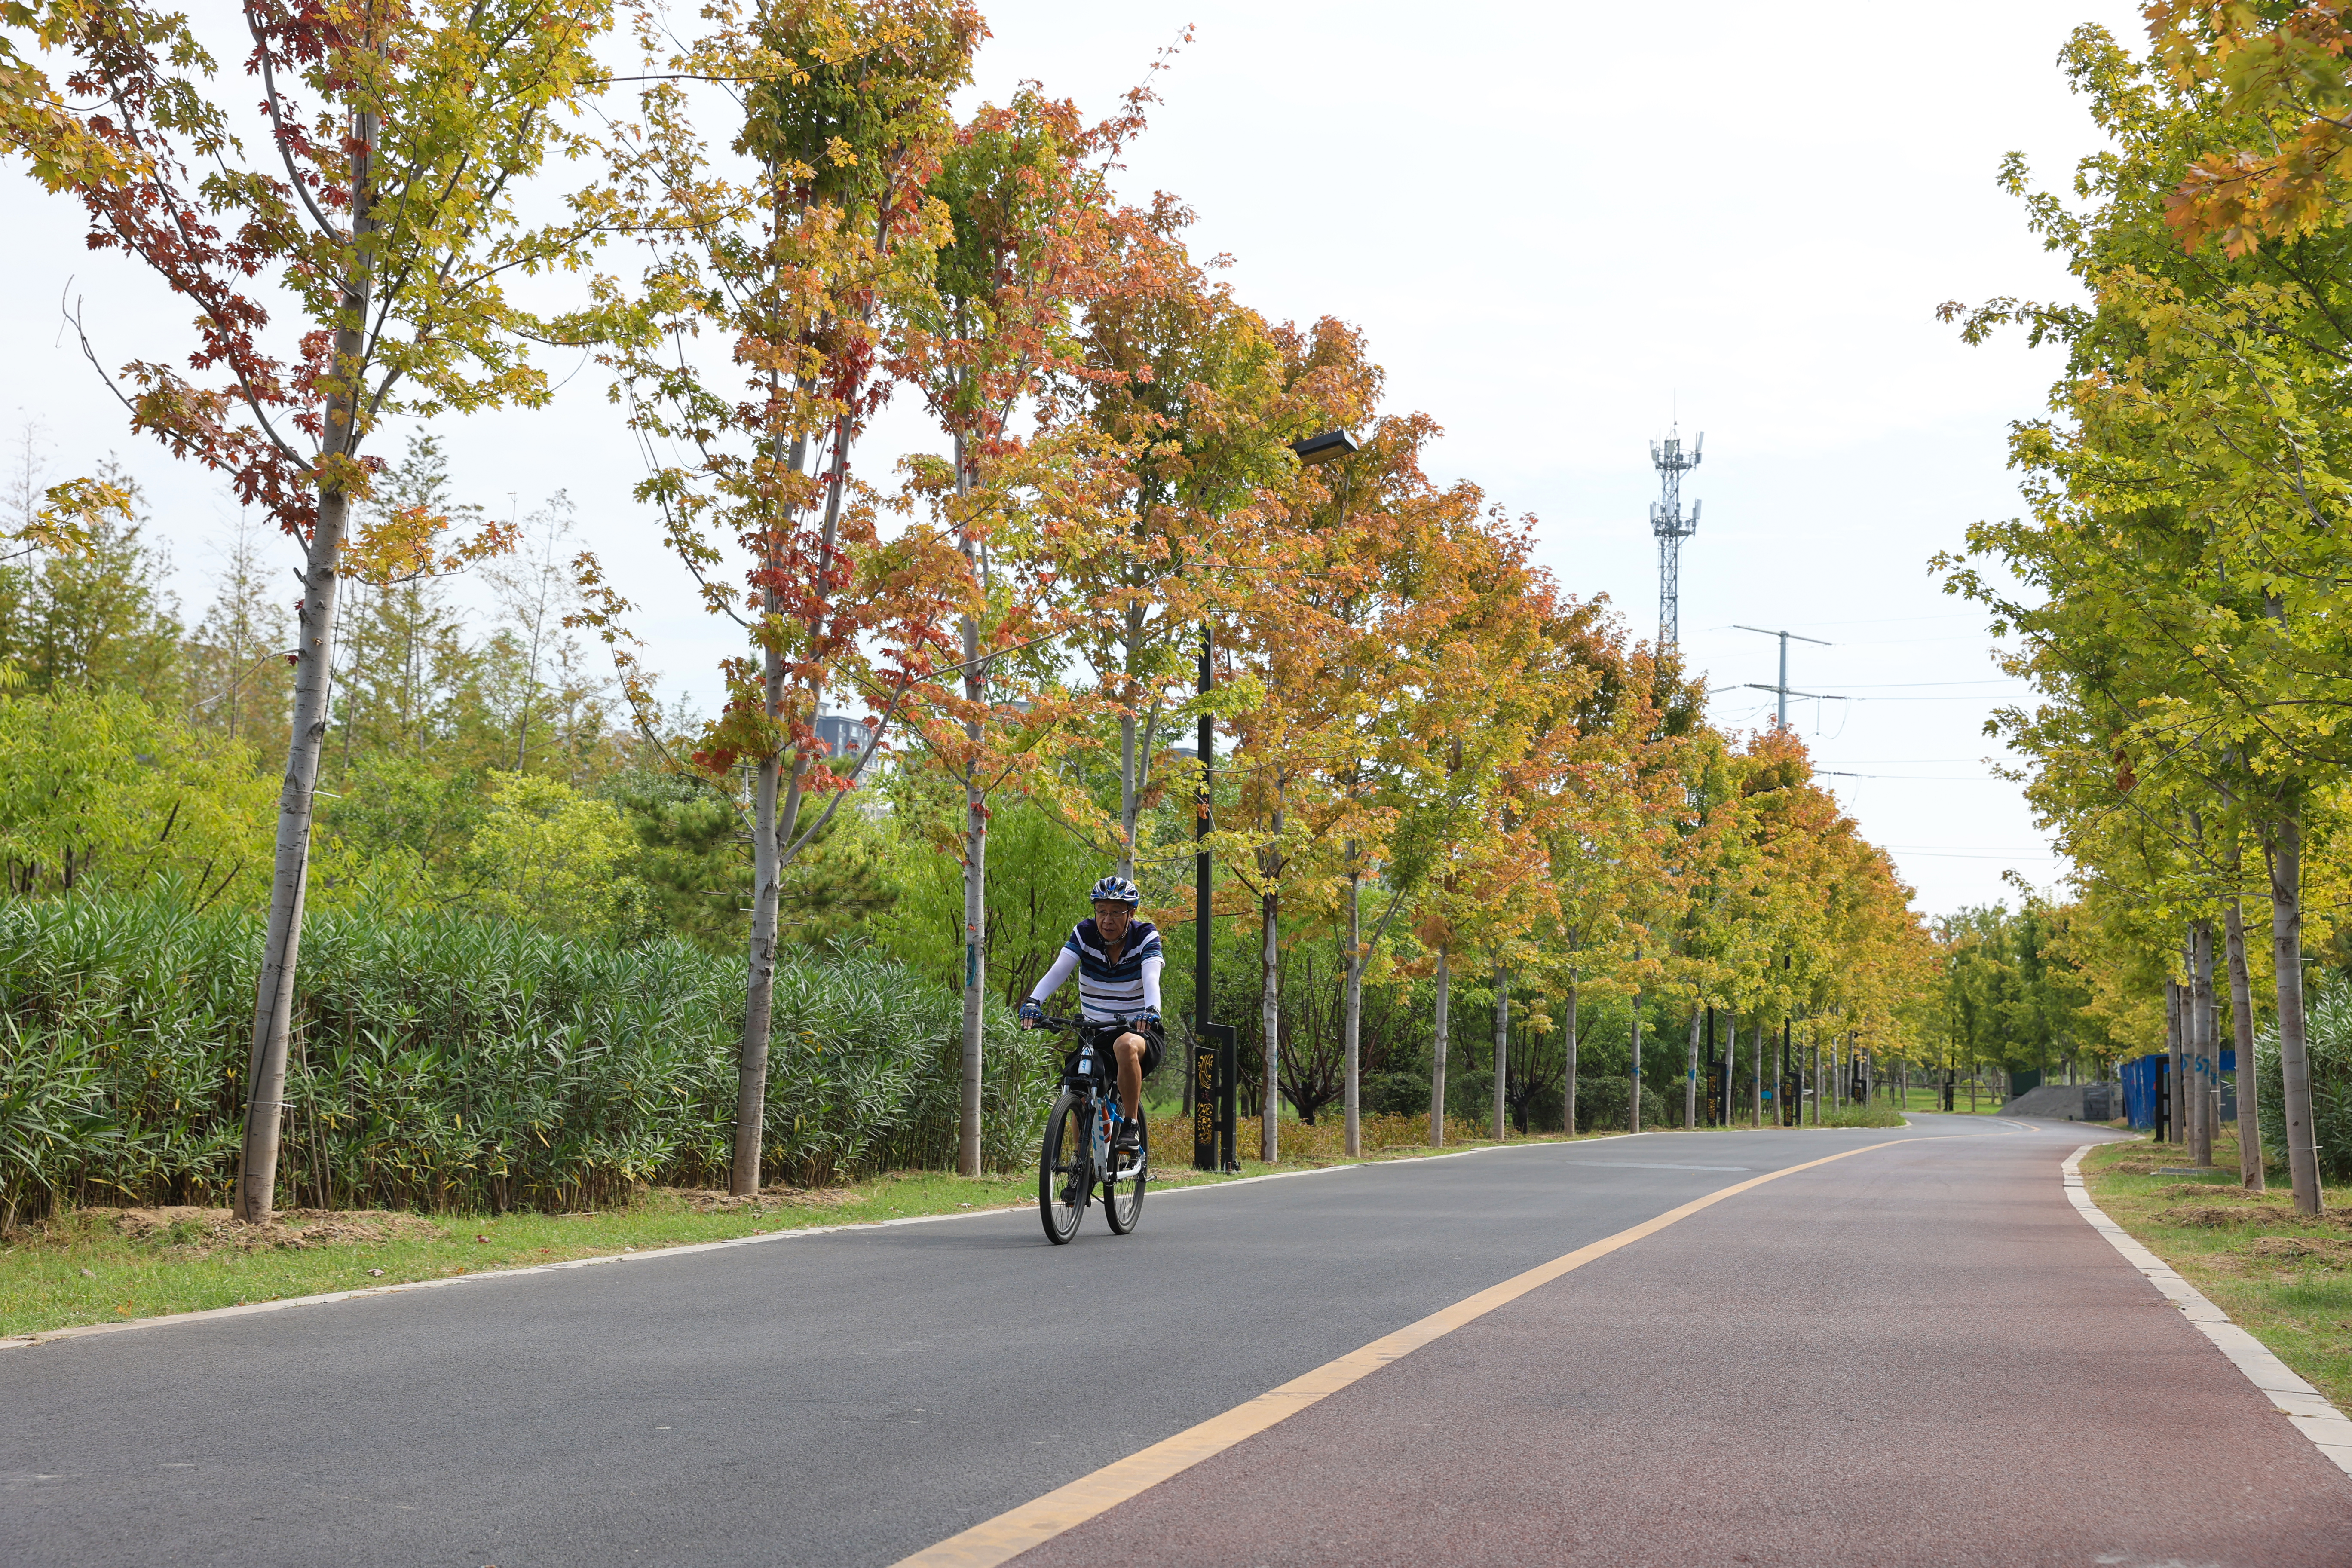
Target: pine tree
238,680
95,616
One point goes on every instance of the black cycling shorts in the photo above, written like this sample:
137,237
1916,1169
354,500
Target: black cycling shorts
1103,1036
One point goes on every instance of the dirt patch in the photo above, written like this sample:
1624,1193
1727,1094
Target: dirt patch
712,1201
2325,1250
2208,1216
200,1231
2209,1190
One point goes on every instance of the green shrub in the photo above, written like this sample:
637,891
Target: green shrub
2328,1034
1395,1094
446,1061
1875,1114
1600,1104
1469,1096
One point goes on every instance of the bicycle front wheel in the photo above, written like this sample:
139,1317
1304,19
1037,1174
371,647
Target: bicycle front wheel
1123,1186
1064,1172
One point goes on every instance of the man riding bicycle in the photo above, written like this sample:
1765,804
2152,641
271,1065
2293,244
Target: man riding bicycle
1117,959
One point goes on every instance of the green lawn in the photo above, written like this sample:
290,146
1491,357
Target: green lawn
88,1267
2287,1281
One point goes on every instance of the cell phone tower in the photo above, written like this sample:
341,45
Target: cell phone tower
1671,527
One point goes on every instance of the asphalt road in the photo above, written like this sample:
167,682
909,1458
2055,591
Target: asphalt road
1888,1350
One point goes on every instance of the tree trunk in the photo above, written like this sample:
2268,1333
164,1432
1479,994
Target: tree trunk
1437,1053
2242,1032
1570,1102
2175,1025
273,1008
2285,854
1690,1084
1633,1072
1353,1008
1756,1088
975,877
1502,1045
759,991
1134,747
772,827
2205,1071
1269,1138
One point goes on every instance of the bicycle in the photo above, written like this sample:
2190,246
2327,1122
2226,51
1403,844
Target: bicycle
1079,1151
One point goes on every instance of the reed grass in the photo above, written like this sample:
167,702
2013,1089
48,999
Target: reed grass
448,1063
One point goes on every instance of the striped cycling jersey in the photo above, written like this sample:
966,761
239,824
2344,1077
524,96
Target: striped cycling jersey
1108,991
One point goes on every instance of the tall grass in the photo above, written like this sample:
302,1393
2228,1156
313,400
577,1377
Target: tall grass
2327,1034
447,1062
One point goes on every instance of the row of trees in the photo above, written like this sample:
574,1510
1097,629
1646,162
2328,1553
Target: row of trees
1441,759
2185,560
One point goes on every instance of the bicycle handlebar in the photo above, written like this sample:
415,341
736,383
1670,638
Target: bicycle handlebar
1070,1025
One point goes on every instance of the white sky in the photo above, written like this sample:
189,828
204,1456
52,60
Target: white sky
1559,224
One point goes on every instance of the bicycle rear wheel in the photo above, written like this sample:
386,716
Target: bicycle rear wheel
1064,1172
1123,1186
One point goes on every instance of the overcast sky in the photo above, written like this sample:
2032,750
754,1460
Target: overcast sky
1562,227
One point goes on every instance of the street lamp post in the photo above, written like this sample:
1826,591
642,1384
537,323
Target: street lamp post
1215,1092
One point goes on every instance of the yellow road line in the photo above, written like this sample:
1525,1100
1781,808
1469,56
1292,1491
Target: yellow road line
1009,1534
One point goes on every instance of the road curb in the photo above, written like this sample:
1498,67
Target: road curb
2306,1408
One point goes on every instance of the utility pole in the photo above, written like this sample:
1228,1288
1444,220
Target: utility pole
1670,528
1781,718
1212,1088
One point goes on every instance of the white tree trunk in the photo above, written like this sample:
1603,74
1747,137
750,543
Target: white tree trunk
2206,1072
1633,1072
1756,1087
2241,1030
273,1009
772,827
1502,1049
1134,748
1568,1099
1437,1053
2285,848
760,989
1690,1081
975,880
2176,1029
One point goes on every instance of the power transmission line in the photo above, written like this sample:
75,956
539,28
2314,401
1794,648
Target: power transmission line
1782,689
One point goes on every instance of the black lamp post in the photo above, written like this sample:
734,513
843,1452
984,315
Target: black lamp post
1214,1091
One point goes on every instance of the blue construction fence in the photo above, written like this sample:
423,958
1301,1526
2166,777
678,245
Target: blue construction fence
2143,1079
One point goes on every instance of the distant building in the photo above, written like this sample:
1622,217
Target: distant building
844,736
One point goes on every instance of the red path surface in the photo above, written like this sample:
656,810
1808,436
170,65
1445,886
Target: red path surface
1918,1355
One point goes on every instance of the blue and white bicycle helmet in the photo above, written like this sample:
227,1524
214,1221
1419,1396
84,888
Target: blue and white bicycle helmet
1116,890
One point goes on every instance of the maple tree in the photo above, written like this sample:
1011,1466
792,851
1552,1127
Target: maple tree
1193,392
1033,246
801,251
377,197
2276,76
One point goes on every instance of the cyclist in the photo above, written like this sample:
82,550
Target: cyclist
1117,959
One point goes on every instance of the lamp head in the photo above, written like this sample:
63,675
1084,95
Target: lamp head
1322,449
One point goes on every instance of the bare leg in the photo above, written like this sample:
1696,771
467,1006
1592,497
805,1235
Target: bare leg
1130,1051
